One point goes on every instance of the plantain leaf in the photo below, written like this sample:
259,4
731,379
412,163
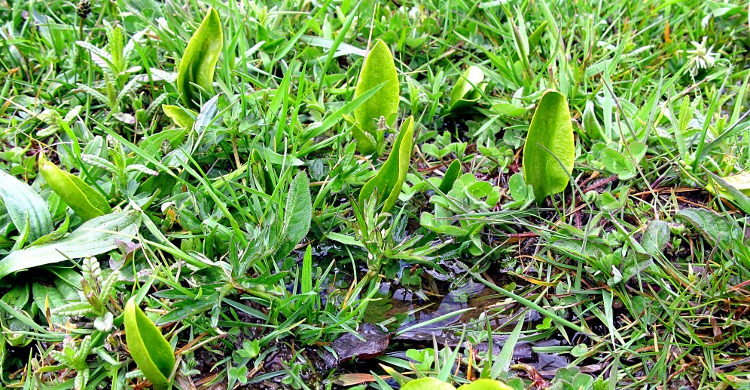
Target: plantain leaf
468,88
392,174
84,200
297,214
150,350
199,60
24,204
94,237
378,68
549,151
182,117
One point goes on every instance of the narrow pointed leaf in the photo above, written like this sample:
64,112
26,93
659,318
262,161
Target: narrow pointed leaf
23,203
199,60
150,350
549,152
84,200
392,174
377,69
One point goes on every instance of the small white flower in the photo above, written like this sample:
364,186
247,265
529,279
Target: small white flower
702,57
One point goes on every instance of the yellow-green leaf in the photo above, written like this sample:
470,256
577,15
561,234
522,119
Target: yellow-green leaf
24,204
549,152
740,181
377,69
150,350
180,116
468,88
485,384
84,200
199,61
427,384
392,174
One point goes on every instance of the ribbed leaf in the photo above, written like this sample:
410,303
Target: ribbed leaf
199,61
94,237
24,204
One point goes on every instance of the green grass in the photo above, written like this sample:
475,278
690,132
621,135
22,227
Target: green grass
639,269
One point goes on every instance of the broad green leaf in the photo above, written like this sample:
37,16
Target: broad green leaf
517,187
199,60
150,350
453,172
94,237
618,164
297,214
467,90
25,205
655,238
485,384
180,116
549,151
712,226
84,200
377,69
428,384
392,174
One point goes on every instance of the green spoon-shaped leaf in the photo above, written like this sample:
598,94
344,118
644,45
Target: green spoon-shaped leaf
485,384
150,350
453,172
427,384
467,90
180,116
199,61
549,151
84,200
392,174
24,204
377,69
